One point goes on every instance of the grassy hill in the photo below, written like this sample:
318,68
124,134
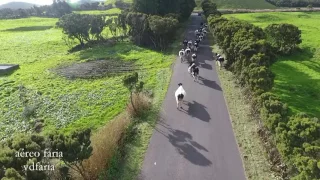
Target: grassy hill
16,5
297,79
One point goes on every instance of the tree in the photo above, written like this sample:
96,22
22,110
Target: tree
131,82
75,147
76,26
163,7
97,24
209,8
283,37
163,30
138,23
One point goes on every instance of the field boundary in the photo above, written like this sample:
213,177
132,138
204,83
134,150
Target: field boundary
235,11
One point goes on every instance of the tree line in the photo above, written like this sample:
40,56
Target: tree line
57,9
148,23
295,3
250,51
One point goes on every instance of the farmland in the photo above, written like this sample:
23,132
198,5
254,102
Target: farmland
109,11
297,79
243,4
37,92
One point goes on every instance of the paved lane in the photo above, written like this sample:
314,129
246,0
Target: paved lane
197,142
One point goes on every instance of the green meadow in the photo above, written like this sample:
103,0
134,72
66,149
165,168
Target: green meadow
109,11
243,4
297,79
36,92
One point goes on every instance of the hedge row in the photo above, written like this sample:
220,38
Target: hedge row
250,53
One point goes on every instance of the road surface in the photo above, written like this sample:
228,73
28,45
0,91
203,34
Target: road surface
196,142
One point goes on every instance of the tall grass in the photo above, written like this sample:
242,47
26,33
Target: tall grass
104,143
140,104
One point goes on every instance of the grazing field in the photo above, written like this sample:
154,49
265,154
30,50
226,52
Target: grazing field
243,4
36,92
297,79
113,1
109,11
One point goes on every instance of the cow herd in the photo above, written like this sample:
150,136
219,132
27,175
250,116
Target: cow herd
189,53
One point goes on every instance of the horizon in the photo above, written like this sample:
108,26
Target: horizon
37,2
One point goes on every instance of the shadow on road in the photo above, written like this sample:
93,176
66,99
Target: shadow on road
205,66
196,110
184,144
210,84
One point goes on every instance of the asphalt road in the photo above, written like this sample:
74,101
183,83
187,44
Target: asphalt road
197,142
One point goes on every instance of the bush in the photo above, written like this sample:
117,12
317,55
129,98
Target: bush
283,37
209,8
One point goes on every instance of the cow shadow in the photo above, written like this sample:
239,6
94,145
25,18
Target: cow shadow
196,110
184,144
209,83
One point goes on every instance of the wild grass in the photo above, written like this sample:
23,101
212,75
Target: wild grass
297,79
245,127
62,103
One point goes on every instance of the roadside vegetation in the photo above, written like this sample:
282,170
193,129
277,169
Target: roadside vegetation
297,74
245,127
291,139
86,83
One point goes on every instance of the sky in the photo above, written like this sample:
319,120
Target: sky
40,2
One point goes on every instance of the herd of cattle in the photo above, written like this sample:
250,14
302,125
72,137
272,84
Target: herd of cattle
190,49
189,53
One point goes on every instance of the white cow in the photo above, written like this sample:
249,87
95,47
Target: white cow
181,55
179,95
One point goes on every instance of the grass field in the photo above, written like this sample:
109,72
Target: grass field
297,79
113,1
109,11
38,48
243,4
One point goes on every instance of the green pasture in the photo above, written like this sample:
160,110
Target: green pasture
297,79
109,11
243,4
37,46
113,1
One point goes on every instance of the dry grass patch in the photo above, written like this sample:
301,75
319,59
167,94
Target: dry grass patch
141,104
104,142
